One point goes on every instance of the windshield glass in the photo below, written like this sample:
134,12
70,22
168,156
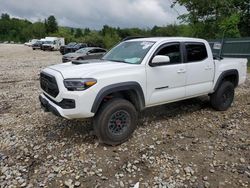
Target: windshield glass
48,42
131,52
71,44
82,50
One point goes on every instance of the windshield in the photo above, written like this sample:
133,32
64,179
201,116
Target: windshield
71,44
131,52
82,50
48,42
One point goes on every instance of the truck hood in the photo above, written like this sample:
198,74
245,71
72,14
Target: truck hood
88,68
47,44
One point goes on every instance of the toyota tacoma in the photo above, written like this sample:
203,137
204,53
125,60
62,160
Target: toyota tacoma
137,74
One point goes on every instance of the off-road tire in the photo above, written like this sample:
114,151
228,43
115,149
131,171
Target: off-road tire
113,115
223,97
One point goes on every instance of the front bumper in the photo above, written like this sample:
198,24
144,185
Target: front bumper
48,48
47,107
66,59
68,104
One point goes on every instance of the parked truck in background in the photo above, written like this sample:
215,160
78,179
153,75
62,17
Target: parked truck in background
52,43
137,74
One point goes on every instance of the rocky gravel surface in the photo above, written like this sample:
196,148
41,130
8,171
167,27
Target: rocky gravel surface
184,144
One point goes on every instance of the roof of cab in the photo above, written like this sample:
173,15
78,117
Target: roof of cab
161,39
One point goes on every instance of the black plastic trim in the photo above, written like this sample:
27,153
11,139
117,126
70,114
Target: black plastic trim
47,107
232,72
49,84
125,86
65,103
159,88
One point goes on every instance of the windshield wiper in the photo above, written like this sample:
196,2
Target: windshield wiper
113,60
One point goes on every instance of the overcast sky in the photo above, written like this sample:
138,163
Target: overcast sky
96,13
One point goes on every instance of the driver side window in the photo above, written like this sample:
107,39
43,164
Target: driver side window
172,51
91,51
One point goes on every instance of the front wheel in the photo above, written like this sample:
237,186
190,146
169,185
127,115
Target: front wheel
223,97
115,121
80,58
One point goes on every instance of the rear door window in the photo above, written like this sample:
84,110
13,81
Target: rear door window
196,52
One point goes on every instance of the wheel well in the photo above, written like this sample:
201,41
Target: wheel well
229,75
130,91
129,95
233,78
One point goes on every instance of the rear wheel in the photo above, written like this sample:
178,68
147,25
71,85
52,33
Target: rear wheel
115,121
223,97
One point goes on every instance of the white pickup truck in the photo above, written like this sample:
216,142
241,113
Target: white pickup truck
137,74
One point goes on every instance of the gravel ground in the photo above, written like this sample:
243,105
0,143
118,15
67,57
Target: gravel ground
184,144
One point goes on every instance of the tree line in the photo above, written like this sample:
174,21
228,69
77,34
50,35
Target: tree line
206,19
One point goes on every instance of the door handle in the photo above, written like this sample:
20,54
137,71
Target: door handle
181,71
208,68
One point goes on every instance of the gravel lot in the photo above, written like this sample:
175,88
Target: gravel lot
185,144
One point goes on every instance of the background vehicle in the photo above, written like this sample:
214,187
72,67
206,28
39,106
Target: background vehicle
52,43
31,42
73,48
62,48
38,44
137,74
85,53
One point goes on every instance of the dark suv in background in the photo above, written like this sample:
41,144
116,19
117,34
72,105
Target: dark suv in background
72,47
76,47
62,48
37,45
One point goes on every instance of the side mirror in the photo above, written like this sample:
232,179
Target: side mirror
160,59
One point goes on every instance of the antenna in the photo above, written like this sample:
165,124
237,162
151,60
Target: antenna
222,43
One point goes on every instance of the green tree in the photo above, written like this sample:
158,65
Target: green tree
51,24
38,30
110,40
94,39
5,16
207,16
72,31
78,33
86,31
229,26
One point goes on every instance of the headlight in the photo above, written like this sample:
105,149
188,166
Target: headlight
79,84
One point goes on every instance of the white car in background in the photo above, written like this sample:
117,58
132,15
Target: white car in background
31,42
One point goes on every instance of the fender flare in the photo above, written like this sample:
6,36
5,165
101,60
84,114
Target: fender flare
232,72
125,86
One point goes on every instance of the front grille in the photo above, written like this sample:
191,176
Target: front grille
47,47
48,84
